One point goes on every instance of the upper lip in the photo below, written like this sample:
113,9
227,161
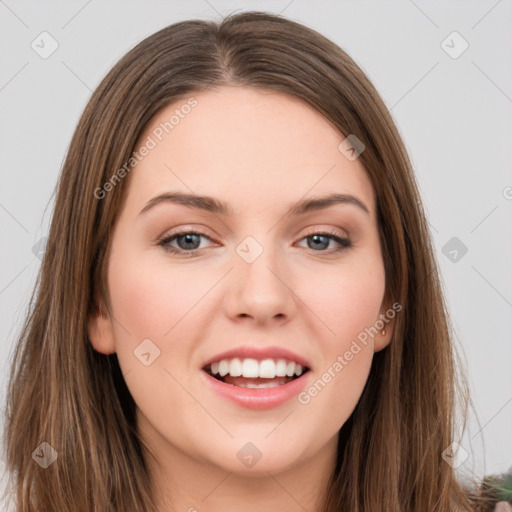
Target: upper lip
259,353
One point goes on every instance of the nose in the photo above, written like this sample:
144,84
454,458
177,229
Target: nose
260,289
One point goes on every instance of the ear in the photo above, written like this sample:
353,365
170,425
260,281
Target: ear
387,317
101,331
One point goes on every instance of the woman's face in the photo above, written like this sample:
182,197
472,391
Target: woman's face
259,280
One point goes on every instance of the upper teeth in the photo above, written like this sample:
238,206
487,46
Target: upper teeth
252,368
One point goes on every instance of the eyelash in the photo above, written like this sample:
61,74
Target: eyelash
344,243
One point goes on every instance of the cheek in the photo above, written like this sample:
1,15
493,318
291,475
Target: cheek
150,297
349,304
347,355
347,299
337,388
152,301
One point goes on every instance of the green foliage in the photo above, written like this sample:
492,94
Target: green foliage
499,486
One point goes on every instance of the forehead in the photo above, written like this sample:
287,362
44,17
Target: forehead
238,143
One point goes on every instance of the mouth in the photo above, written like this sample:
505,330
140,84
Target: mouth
255,373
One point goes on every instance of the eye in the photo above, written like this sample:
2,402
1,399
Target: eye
187,242
321,240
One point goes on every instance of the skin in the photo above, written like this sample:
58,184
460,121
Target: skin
259,151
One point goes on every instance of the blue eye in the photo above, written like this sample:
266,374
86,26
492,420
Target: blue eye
188,242
322,240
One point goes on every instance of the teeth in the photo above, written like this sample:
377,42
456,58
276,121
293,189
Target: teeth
235,367
252,368
267,369
223,367
281,368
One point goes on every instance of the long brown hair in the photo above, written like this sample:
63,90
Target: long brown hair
64,393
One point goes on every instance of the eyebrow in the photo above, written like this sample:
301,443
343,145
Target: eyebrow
212,205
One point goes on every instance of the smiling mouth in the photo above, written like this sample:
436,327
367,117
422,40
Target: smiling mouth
256,374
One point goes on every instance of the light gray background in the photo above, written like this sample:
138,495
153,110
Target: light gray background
455,115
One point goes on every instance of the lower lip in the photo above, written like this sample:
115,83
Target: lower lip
263,398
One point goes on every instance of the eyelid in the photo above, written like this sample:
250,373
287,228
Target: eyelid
186,228
329,230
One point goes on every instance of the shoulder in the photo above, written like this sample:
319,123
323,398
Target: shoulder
503,506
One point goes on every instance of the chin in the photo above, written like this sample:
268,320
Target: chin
258,457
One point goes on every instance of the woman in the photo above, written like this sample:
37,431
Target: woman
239,304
